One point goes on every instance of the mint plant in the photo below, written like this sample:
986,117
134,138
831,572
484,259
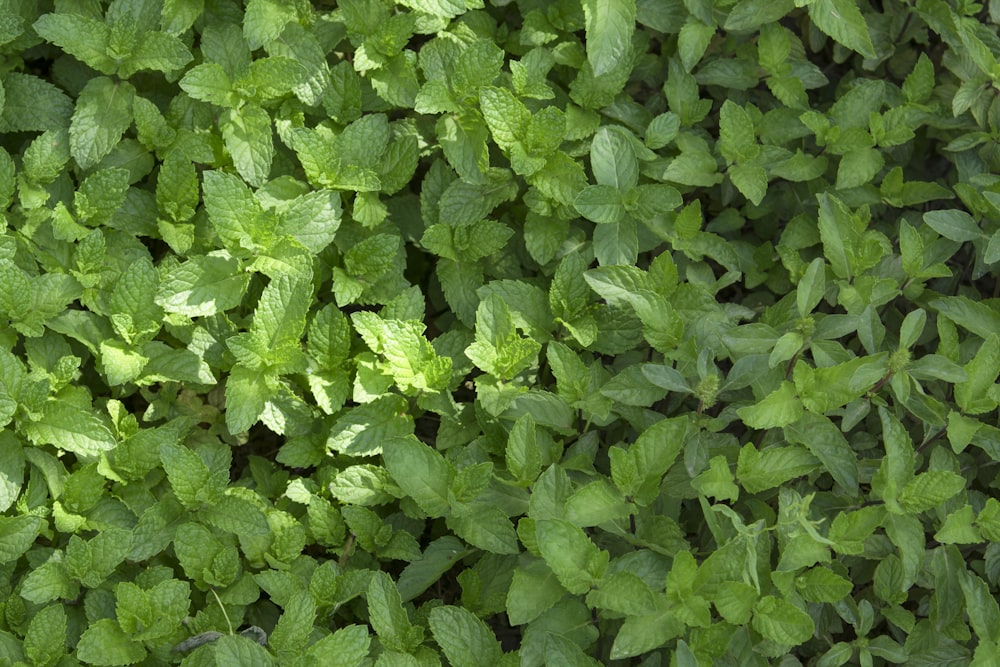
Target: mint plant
454,332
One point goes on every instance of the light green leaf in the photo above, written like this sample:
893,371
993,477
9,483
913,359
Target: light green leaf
954,225
83,37
157,51
264,20
782,622
821,584
247,392
233,211
641,634
613,159
70,428
465,639
534,590
347,647
779,408
843,21
209,82
386,614
609,26
737,139
17,534
506,116
421,472
771,467
45,640
103,113
601,204
930,489
203,286
576,561
827,443
104,643
247,133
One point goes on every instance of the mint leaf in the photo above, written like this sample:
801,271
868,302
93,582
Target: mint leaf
575,560
844,22
247,133
421,472
203,286
464,638
71,428
83,37
105,643
609,28
103,113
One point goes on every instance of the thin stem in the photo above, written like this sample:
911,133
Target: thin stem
223,608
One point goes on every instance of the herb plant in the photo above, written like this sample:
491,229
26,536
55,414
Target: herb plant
531,332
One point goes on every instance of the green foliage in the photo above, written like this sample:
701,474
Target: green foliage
426,332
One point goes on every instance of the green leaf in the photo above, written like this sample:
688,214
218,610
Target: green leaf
421,472
858,167
896,469
717,481
641,634
737,141
779,408
820,584
834,230
930,489
70,428
601,204
534,590
264,20
33,105
972,395
498,348
45,640
576,561
827,443
153,613
247,134
17,534
782,622
771,467
465,639
203,286
505,115
292,632
209,82
811,287
247,391
83,37
440,556
347,647
843,21
954,225
103,113
977,317
363,430
609,28
157,51
596,503
387,616
750,179
12,465
233,211
188,474
104,643
613,159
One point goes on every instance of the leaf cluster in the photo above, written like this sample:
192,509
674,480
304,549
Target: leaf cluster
572,332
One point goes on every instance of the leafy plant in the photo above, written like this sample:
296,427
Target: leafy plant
512,333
